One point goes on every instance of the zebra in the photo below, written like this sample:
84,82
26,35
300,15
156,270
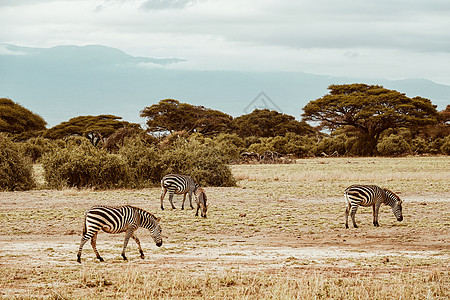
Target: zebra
200,198
118,219
178,184
371,195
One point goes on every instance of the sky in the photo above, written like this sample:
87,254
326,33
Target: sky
392,39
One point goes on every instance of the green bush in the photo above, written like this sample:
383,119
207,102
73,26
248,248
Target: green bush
419,145
35,147
137,164
15,171
143,160
202,161
84,166
393,145
445,148
330,145
231,145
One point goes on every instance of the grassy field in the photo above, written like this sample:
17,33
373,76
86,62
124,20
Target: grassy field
278,235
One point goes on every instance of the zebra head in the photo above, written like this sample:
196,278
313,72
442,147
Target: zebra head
155,232
201,198
397,209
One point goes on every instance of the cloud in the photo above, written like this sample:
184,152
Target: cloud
324,36
166,4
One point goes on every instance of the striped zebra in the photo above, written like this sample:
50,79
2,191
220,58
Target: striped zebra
118,219
178,184
370,195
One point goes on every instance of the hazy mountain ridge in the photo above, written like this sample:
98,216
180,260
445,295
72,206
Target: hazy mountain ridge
67,81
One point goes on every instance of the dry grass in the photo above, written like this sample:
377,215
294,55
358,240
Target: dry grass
278,235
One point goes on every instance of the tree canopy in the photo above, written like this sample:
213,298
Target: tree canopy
269,123
170,115
16,119
82,125
371,109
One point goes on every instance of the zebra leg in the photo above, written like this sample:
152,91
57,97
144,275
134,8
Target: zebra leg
135,238
353,210
94,246
190,200
163,193
376,209
347,209
170,199
125,242
83,241
198,207
184,199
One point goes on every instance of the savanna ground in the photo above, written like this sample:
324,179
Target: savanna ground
280,234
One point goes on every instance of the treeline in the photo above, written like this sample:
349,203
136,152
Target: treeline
106,152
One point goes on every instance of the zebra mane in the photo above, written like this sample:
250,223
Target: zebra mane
389,192
144,212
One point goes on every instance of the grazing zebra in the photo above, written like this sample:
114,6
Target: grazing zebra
371,195
178,184
200,198
118,219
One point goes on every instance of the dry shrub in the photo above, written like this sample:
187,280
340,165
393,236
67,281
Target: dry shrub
138,164
15,170
84,166
200,159
143,160
393,145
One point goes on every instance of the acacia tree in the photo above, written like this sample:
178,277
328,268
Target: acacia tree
269,123
83,125
170,115
371,109
16,119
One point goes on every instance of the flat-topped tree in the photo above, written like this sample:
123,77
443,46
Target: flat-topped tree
171,115
371,109
105,125
269,123
16,119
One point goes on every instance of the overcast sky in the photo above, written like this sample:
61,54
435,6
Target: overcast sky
391,39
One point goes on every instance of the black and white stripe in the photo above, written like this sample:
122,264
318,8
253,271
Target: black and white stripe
370,195
117,219
178,184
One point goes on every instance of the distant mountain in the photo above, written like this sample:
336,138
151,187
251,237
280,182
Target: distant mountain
67,81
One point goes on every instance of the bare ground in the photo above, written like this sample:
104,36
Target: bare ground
41,231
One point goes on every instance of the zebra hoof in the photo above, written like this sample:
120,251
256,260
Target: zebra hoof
79,259
346,226
100,259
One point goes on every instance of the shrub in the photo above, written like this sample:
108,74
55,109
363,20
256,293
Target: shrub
35,147
445,148
419,145
143,160
15,170
393,145
84,166
231,145
202,161
330,145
